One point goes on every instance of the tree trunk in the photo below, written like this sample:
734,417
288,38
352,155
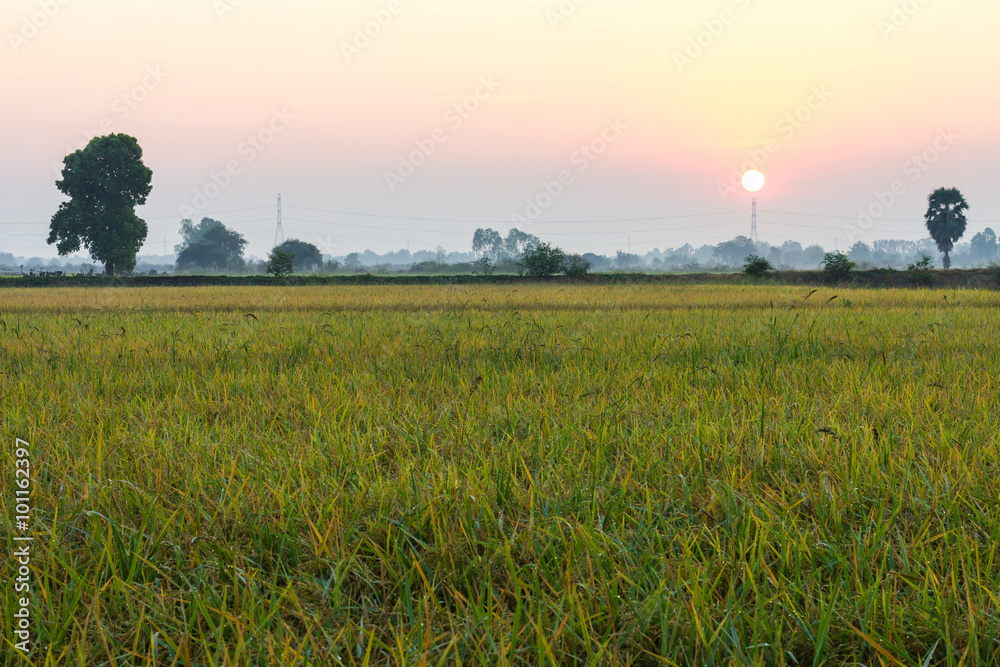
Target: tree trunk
109,268
947,261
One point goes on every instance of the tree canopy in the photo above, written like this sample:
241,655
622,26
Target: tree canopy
280,263
489,243
209,245
518,242
945,219
984,245
306,256
105,181
542,259
735,252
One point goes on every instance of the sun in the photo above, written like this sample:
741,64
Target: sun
753,181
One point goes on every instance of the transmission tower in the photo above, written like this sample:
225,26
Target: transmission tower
753,222
279,233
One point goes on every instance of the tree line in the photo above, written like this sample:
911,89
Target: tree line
106,180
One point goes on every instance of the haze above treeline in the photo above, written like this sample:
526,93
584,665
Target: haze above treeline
981,250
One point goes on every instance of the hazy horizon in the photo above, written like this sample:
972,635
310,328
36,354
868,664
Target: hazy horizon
838,105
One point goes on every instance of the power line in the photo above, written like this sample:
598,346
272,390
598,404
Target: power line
499,222
235,210
466,233
616,221
506,222
734,223
848,217
161,217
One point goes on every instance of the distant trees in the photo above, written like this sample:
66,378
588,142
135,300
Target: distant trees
774,256
489,243
209,245
105,181
306,256
860,252
627,260
575,265
733,253
532,256
517,242
984,246
945,219
353,262
790,252
541,259
812,256
593,261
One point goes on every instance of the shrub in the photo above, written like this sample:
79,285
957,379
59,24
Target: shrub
280,263
485,266
575,265
838,266
542,259
757,267
922,272
995,270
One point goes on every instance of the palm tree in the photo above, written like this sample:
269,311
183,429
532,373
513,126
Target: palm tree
945,218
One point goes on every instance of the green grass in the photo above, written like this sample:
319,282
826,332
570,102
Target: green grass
507,475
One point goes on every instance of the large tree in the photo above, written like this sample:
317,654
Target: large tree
734,252
487,243
307,257
517,242
543,260
945,219
105,182
209,245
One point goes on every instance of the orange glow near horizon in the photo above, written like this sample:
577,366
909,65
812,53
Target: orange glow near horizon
797,93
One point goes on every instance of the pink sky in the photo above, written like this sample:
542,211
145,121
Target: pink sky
872,87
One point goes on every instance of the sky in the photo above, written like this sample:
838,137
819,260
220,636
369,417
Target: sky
597,125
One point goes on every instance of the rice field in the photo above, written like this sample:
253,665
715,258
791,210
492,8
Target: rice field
505,475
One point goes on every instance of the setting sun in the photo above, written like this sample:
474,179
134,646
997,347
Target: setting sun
753,181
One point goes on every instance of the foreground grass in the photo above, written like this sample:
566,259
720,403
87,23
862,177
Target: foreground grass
487,475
